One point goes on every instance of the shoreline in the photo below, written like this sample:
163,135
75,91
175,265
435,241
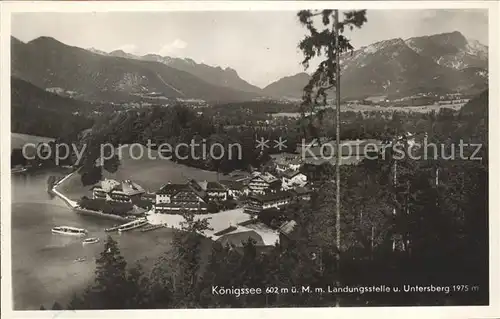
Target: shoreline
88,212
77,209
71,203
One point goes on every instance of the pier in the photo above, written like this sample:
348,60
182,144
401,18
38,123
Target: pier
151,227
138,223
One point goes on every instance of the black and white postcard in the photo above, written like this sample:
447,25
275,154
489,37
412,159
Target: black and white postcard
299,156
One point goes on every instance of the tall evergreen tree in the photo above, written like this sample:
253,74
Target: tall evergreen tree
110,288
138,289
321,43
222,264
176,274
330,43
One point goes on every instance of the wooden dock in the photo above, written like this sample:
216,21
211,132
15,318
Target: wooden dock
152,227
129,223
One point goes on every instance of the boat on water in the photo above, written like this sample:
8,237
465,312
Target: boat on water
133,225
110,229
68,230
17,170
91,240
80,259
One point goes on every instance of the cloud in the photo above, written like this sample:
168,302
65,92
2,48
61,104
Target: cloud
172,48
128,48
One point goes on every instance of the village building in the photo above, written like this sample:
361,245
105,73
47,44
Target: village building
240,176
258,203
174,198
114,191
236,236
286,161
235,189
286,232
457,101
215,191
264,182
293,179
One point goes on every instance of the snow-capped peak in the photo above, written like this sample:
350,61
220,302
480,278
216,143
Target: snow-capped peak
372,48
451,50
97,51
476,48
411,44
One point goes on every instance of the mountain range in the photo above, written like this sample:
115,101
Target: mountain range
48,63
214,75
441,63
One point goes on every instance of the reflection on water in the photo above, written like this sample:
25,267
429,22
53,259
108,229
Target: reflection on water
43,264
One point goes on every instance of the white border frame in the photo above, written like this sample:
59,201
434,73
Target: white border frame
452,312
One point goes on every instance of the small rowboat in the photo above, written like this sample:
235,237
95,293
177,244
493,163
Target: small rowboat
91,240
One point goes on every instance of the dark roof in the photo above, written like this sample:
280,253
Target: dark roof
296,161
237,239
131,188
301,191
171,189
285,159
315,161
226,230
290,174
212,186
240,174
287,227
266,177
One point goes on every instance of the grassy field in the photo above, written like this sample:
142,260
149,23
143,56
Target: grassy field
149,173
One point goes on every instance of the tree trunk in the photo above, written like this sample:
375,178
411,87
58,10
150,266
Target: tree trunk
337,172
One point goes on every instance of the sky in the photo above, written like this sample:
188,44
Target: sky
260,46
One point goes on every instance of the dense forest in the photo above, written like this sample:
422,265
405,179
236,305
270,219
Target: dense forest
248,113
37,112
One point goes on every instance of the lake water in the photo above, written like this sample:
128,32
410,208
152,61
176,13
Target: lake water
43,264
